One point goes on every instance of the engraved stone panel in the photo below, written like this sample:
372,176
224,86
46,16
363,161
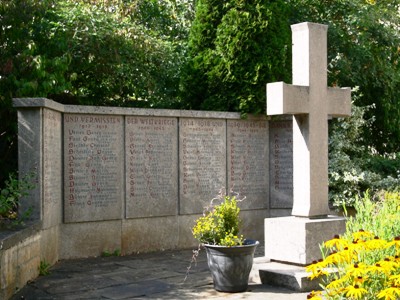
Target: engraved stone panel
202,162
30,128
93,167
151,166
52,167
248,161
281,164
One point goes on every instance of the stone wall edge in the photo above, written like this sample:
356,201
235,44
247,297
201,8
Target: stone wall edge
37,103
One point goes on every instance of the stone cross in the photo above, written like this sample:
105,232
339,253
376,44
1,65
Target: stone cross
311,103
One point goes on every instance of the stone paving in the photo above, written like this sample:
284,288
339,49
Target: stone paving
158,275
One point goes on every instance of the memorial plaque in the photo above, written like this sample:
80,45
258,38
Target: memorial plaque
30,160
248,161
151,166
202,157
281,164
93,167
52,167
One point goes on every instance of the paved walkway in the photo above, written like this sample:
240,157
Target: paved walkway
143,276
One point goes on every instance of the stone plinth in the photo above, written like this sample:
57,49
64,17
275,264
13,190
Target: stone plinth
296,240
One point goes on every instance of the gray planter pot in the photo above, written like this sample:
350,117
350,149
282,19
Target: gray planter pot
230,266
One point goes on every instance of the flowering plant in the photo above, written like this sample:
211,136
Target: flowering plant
220,223
360,264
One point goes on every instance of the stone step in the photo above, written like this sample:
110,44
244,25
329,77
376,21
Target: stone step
283,275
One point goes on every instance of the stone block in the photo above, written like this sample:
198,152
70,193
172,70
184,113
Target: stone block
281,164
30,158
89,239
252,223
52,168
151,151
296,240
283,212
150,234
8,272
93,167
19,264
50,244
202,162
186,239
247,158
28,249
27,271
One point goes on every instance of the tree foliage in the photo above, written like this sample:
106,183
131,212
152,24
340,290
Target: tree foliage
140,53
236,47
363,41
94,52
354,166
110,52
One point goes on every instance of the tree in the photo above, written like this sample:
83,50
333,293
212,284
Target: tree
364,39
17,19
235,48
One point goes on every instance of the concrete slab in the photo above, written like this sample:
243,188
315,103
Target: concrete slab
158,275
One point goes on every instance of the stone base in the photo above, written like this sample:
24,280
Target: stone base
289,276
296,240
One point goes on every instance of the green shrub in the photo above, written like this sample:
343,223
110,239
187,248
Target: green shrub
355,167
220,224
10,195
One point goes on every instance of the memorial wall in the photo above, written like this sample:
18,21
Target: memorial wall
107,172
128,164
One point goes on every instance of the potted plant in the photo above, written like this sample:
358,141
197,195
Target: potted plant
229,255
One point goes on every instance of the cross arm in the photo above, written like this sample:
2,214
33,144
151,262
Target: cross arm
339,102
285,98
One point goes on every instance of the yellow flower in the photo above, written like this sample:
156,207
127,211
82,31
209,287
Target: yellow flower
332,258
316,266
336,242
315,295
336,292
346,256
317,274
360,279
379,269
375,243
338,283
395,242
361,234
316,269
357,269
388,265
391,293
395,279
354,291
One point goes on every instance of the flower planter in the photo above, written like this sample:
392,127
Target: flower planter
230,266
